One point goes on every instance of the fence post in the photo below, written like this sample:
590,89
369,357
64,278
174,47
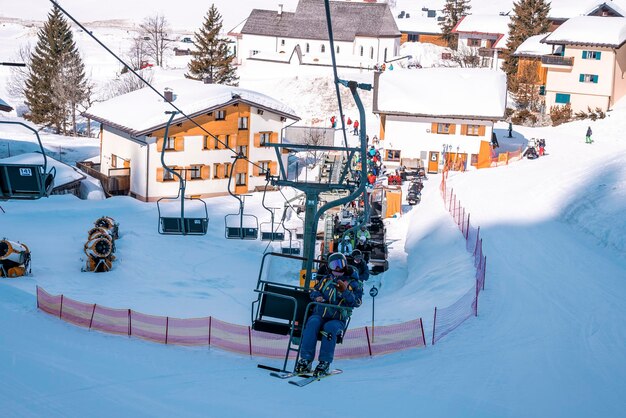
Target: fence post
476,246
422,327
210,330
484,270
369,346
61,309
468,227
92,314
476,300
167,327
250,339
130,326
37,287
434,324
451,193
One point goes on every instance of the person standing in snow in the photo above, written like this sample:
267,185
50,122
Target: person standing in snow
356,127
338,288
588,139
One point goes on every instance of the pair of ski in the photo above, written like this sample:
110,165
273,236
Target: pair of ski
305,378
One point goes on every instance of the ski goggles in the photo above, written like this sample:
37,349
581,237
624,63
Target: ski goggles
337,265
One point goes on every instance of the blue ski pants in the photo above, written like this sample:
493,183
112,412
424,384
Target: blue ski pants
314,324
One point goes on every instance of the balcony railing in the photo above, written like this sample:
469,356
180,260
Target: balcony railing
557,60
115,184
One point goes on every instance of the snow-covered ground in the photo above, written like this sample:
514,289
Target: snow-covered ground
549,339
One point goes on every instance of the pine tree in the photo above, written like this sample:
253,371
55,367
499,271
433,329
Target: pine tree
56,83
212,59
453,11
530,17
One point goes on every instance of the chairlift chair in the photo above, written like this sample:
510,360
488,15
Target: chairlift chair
291,246
181,223
26,181
240,225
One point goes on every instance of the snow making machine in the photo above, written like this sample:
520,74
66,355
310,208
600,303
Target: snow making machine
14,259
100,245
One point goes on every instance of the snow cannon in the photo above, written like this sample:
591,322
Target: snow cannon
109,224
99,251
14,259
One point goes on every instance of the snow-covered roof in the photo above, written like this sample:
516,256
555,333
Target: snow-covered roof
486,24
4,106
533,47
590,30
619,6
143,111
419,24
443,92
65,174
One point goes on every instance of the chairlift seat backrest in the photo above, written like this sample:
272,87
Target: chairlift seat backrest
25,181
193,226
276,313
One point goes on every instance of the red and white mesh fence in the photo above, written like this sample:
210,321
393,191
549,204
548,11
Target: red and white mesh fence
447,319
358,342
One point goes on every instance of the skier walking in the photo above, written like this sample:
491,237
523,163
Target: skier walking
588,139
356,127
337,288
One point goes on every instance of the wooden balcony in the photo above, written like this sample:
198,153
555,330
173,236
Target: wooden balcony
557,61
116,183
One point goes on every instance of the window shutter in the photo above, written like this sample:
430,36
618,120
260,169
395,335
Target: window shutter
159,143
220,171
159,174
584,54
187,173
232,141
433,128
126,163
205,172
210,142
274,138
598,55
463,129
481,130
257,139
581,78
452,130
255,170
179,143
273,168
594,78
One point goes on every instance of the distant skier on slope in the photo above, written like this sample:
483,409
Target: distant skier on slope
337,288
588,139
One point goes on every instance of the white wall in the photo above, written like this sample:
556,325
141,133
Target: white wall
566,80
412,135
119,143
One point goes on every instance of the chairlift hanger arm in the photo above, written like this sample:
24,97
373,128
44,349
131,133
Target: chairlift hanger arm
43,152
312,147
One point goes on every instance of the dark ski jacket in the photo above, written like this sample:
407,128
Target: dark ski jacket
351,298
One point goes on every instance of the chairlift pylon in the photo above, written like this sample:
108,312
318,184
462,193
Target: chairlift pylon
240,225
180,225
26,181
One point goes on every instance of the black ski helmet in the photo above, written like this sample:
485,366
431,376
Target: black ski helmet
337,262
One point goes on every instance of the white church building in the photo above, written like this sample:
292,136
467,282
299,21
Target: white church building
364,34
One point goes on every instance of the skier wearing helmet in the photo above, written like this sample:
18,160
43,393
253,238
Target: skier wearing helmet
339,288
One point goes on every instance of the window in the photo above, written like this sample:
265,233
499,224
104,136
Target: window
240,179
220,115
393,155
282,42
562,98
217,171
588,78
168,175
307,48
254,52
472,130
264,167
592,55
243,150
361,51
113,161
265,138
243,123
323,48
473,42
443,128
337,48
413,37
227,169
194,172
371,52
385,55
170,143
474,159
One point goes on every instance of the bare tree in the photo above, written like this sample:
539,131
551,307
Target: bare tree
137,53
19,75
155,32
126,83
315,138
465,57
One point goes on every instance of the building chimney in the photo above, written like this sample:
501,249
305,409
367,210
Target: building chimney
169,94
280,10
